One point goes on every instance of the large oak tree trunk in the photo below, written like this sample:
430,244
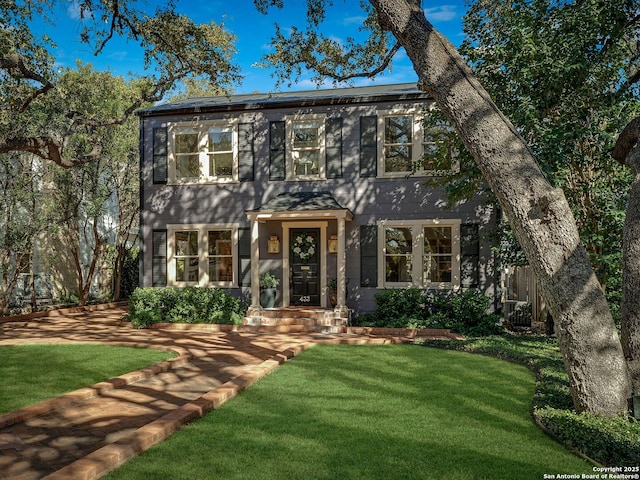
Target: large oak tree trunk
539,214
627,151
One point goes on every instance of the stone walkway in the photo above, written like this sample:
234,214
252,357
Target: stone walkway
91,431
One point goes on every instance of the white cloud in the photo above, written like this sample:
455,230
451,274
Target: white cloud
356,19
443,13
73,10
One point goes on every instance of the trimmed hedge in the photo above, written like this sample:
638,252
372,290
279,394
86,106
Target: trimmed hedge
184,305
612,442
463,312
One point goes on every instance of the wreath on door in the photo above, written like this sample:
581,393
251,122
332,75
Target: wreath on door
303,246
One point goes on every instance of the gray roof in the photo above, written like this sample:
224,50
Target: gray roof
301,201
256,101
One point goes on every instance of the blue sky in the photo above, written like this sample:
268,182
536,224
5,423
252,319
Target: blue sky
253,31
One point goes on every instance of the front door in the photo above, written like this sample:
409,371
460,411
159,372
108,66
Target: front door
305,266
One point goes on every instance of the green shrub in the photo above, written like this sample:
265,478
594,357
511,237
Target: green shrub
184,305
464,312
395,303
612,441
367,319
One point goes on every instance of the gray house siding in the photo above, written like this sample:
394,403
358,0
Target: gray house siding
350,177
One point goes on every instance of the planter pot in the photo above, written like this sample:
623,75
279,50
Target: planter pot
333,299
268,297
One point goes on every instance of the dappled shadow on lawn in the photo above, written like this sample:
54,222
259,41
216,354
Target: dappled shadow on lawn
371,412
49,440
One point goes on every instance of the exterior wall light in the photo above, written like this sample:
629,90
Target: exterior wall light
274,244
333,244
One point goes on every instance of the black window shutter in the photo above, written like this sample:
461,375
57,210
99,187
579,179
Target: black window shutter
333,147
368,146
160,155
368,256
159,262
276,151
470,255
245,152
244,256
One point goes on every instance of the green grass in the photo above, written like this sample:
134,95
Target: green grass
32,373
609,441
369,412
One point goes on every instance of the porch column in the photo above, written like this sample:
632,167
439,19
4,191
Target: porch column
255,267
341,266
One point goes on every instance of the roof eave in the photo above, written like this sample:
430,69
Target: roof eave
355,98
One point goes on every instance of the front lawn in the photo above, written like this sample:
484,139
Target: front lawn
36,372
614,442
369,412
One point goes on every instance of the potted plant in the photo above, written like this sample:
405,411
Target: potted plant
268,284
332,285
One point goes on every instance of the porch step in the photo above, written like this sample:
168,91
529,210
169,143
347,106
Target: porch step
294,319
296,312
291,321
290,328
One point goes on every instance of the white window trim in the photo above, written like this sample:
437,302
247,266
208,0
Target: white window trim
203,254
202,128
417,144
322,160
417,266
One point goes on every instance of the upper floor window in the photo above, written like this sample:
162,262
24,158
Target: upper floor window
202,255
220,151
206,152
421,253
406,145
186,147
306,147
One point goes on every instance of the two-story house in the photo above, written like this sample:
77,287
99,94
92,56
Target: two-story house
315,187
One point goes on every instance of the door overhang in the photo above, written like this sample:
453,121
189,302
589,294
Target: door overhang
300,206
295,210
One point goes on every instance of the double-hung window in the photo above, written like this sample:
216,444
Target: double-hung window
398,254
186,256
306,147
435,158
202,255
438,254
220,151
186,154
399,137
220,255
206,152
406,145
420,253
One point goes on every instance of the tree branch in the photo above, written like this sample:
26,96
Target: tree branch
626,141
318,67
46,148
14,64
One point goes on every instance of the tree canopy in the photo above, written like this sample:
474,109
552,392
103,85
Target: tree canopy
566,73
175,48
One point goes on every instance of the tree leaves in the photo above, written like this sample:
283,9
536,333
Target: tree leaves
39,108
559,71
